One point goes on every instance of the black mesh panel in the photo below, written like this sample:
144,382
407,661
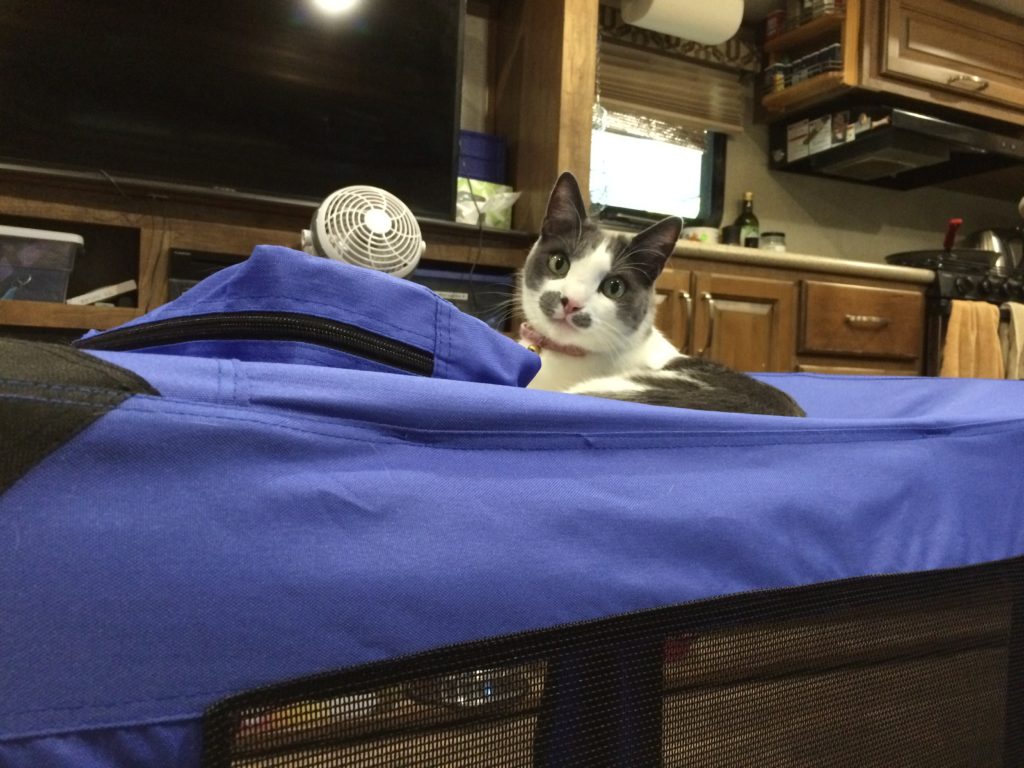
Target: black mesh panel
912,670
50,393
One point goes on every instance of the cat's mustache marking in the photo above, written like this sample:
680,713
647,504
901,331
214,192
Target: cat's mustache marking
553,301
550,302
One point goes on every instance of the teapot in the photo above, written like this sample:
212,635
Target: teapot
1007,242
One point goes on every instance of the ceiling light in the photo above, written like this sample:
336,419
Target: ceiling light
334,7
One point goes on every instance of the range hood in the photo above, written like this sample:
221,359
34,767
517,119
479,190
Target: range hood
892,147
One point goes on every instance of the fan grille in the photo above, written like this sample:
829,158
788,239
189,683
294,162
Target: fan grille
370,227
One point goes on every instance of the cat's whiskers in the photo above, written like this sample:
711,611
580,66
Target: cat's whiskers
505,308
611,339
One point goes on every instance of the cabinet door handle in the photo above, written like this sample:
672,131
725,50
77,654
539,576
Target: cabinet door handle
968,82
689,321
711,322
867,321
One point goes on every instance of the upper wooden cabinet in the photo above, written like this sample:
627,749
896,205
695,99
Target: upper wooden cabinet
970,52
954,53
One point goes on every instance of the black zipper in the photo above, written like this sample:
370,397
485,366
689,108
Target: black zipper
266,326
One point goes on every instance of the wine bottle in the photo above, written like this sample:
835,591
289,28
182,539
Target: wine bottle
750,228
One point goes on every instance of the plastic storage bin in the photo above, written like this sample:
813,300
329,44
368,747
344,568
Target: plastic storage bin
35,263
486,296
482,156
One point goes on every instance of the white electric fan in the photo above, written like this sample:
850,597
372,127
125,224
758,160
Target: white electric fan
368,227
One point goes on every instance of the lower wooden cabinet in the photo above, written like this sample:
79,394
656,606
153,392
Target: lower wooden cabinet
744,322
857,321
675,307
758,319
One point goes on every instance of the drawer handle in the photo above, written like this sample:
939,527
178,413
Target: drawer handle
867,321
968,82
689,322
707,297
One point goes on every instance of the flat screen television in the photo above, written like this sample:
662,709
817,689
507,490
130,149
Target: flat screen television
272,98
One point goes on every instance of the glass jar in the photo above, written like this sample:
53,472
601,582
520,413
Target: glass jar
773,241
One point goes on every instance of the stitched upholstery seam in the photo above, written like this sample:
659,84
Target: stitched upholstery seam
866,435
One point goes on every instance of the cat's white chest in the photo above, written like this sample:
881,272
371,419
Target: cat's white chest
560,372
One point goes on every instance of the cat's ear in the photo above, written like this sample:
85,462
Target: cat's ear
566,211
649,251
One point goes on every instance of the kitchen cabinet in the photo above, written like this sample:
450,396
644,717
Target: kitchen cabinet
955,54
744,322
851,323
972,54
765,318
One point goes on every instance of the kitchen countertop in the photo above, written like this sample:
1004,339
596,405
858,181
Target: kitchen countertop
805,262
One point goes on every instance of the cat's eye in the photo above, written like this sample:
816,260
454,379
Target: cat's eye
613,287
558,263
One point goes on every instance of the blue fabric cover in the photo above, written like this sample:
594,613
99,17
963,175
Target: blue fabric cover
275,279
264,520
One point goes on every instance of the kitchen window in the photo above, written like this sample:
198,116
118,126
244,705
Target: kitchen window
659,135
643,169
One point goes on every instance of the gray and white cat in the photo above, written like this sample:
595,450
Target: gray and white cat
589,302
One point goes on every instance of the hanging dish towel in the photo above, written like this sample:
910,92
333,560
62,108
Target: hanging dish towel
972,342
1011,339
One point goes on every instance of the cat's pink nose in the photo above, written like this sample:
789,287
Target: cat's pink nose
569,306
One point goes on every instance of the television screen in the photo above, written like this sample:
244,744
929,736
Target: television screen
274,98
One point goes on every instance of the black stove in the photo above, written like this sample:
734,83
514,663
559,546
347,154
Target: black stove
968,275
961,275
973,286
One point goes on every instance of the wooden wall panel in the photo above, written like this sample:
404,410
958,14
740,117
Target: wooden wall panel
546,62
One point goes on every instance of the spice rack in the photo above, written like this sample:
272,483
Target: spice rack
812,58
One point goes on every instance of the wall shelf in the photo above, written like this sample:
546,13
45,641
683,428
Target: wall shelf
825,83
132,236
52,314
805,34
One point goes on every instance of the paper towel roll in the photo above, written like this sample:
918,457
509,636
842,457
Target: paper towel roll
709,23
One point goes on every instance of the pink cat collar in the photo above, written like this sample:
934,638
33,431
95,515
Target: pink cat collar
537,342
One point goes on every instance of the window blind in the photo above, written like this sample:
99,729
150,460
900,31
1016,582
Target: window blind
670,89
